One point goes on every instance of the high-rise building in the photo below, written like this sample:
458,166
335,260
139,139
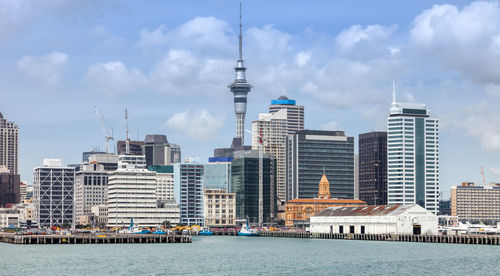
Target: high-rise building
373,167
9,145
240,89
188,192
164,182
312,153
132,195
9,187
245,184
412,156
217,176
269,135
53,189
91,188
294,113
135,147
476,204
175,153
156,150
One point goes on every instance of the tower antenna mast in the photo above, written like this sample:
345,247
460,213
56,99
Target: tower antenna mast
127,141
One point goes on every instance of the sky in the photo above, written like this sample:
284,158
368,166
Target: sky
170,62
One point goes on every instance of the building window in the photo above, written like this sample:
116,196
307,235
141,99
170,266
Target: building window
341,229
351,229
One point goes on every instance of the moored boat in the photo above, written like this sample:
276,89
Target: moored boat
206,232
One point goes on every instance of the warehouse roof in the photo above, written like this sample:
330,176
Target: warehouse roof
329,201
371,210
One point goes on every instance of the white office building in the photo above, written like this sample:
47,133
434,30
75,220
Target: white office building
412,156
274,131
132,194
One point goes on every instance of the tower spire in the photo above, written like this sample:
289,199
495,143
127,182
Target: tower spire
241,38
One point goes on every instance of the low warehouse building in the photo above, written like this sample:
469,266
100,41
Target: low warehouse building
376,219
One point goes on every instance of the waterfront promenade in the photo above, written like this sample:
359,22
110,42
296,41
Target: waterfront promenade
94,239
460,239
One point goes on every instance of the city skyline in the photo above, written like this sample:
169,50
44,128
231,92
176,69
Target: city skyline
171,72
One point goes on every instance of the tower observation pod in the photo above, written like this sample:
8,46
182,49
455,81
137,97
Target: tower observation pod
240,89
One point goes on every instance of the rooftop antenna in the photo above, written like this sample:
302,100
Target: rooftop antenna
127,141
393,92
240,38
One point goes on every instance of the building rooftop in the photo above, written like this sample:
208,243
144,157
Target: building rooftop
326,201
370,210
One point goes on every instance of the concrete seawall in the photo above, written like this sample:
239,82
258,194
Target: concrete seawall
459,239
93,239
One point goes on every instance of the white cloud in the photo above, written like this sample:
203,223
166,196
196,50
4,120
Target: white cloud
495,171
155,37
332,125
114,78
302,58
483,123
45,69
463,40
356,34
200,125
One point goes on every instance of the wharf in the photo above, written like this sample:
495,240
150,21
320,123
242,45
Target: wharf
93,239
458,239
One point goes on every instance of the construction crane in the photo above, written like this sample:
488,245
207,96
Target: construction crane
107,136
484,179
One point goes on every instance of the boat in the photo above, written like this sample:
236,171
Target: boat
206,232
247,231
136,230
159,231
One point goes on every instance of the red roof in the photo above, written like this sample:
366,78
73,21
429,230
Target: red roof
370,210
326,201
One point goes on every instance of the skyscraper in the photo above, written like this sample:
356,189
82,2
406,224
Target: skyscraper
240,89
245,184
294,116
271,130
53,189
373,167
10,189
413,156
9,145
312,153
156,150
188,192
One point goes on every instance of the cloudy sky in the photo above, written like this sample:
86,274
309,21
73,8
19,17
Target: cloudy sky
169,63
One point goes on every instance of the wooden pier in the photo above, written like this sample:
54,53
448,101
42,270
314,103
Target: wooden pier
94,239
459,239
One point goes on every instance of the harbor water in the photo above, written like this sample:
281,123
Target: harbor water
223,255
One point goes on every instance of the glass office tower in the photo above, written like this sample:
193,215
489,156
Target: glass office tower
413,156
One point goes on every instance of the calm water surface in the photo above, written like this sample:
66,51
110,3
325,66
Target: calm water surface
251,256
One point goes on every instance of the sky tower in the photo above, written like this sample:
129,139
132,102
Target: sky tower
240,89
